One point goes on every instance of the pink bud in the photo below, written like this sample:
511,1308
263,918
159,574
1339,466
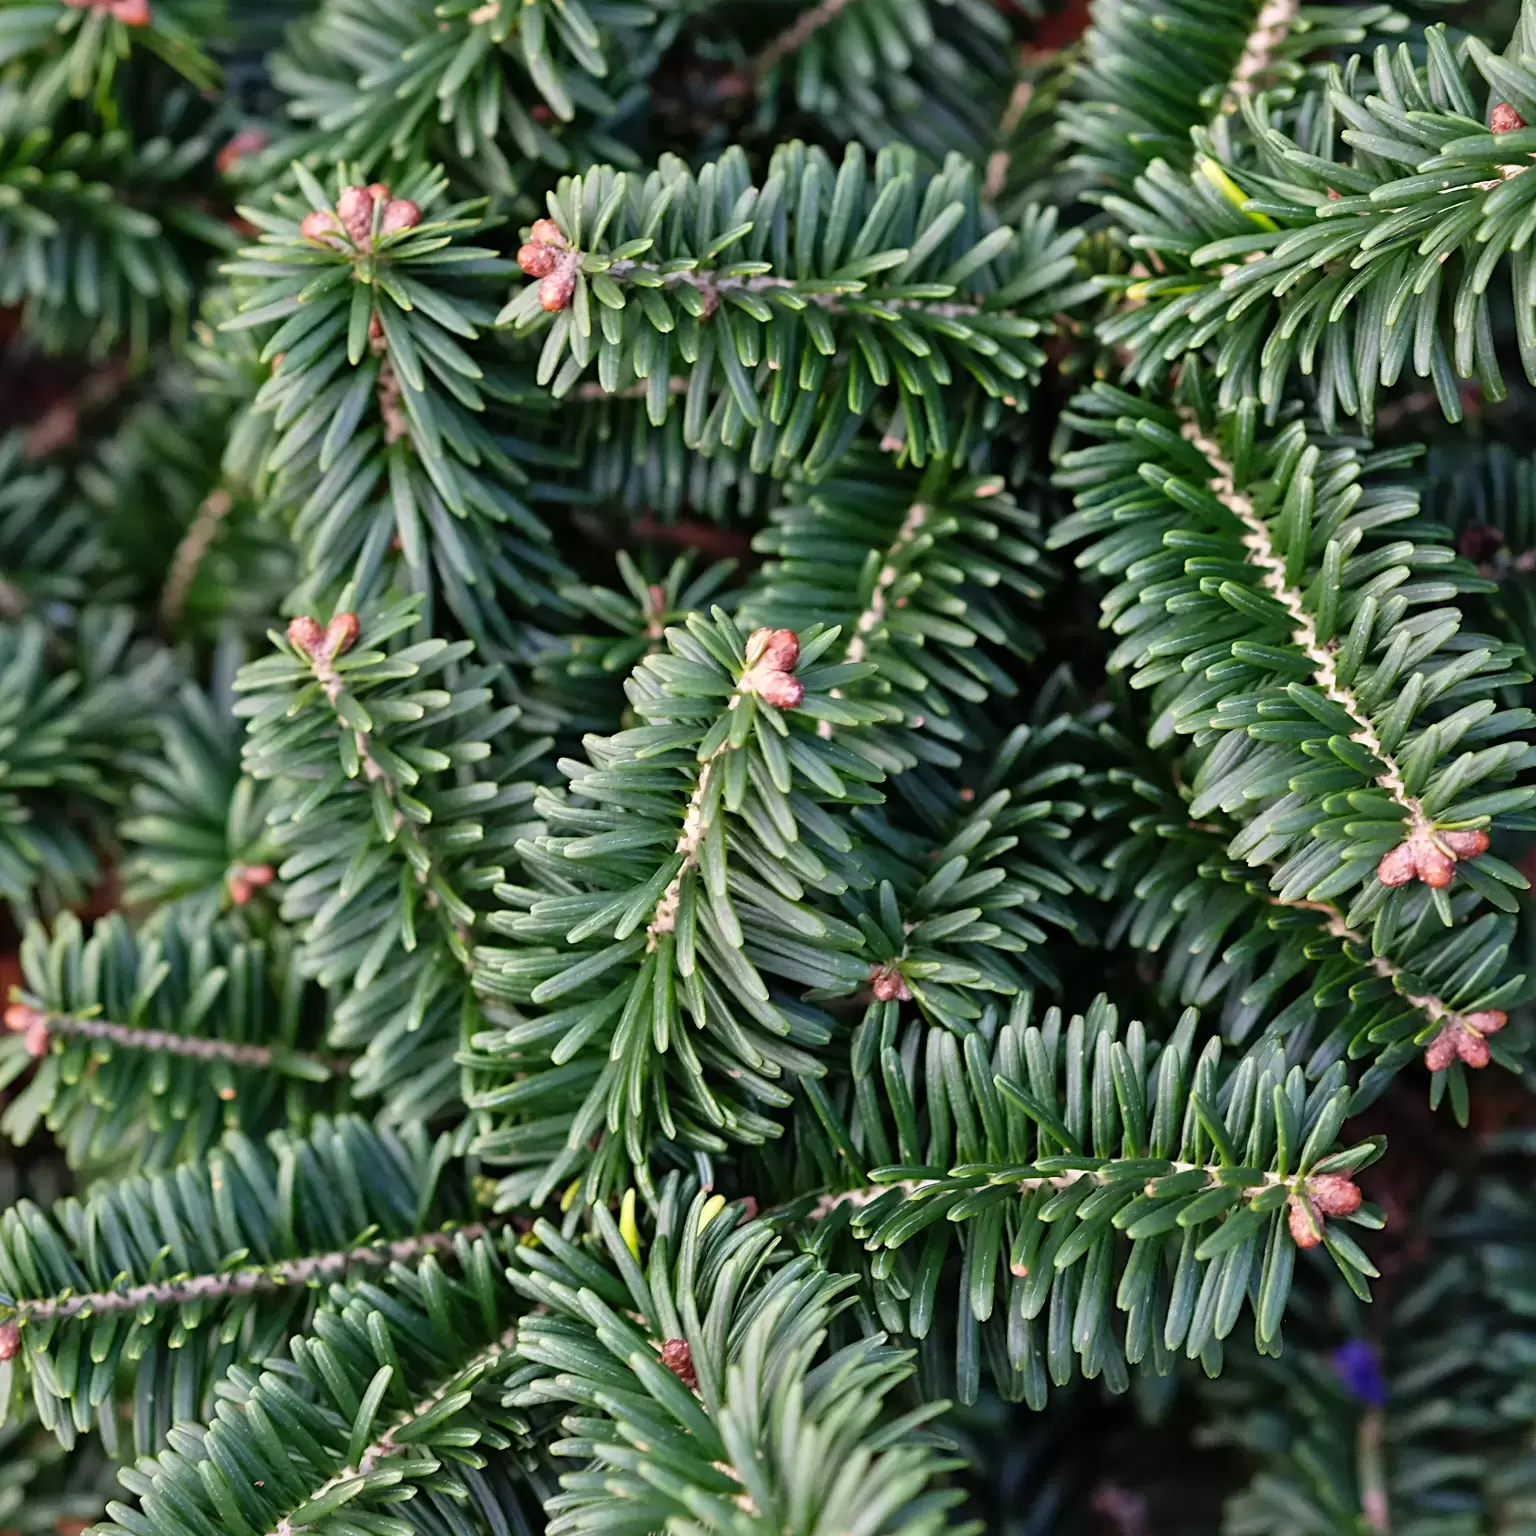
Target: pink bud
1441,1051
1462,1036
1465,845
355,209
1504,119
1472,1049
132,13
1398,866
19,1018
320,226
1489,1022
1435,867
1333,1194
10,1342
1306,1229
888,984
547,254
537,260
340,634
556,289
400,213
781,689
37,1040
778,650
305,634
1430,855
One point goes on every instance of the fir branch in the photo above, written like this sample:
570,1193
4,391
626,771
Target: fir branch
313,1270
217,1038
711,1343
1152,69
320,647
804,297
715,286
366,745
1286,611
1258,541
500,89
1271,28
1109,1174
1285,251
379,420
370,1426
1326,991
1034,1153
681,848
925,574
390,1443
215,1264
39,1026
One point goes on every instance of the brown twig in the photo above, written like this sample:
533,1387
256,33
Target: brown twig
793,38
194,545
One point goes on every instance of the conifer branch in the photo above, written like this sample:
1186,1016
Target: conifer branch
1297,619
318,1269
321,647
836,298
389,1443
1178,883
644,292
1108,1174
873,615
1259,543
40,1025
1462,1034
1270,31
1436,1009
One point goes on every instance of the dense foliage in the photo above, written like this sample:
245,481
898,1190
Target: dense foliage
752,759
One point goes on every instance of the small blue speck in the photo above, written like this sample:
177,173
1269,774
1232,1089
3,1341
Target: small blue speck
1358,1366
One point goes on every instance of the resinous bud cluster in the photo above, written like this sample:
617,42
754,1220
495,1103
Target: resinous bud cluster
1430,855
353,217
547,255
1317,1198
772,656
